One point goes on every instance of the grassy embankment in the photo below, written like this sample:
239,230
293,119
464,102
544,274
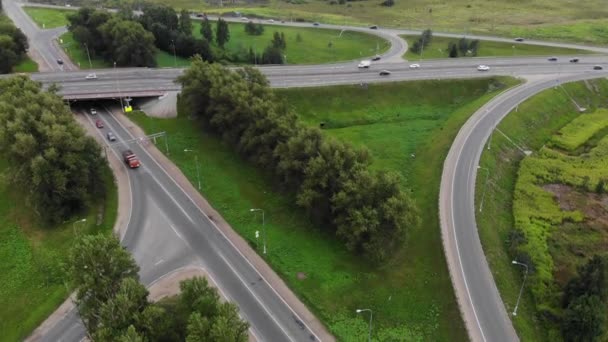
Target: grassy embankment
27,65
411,295
531,126
32,256
439,48
312,47
583,22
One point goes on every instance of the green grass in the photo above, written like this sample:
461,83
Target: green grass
532,125
415,286
31,257
439,49
78,53
167,60
48,18
581,129
27,65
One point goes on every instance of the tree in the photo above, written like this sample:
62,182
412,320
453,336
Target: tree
203,49
426,37
474,47
272,55
254,29
98,265
85,25
129,44
600,188
591,280
161,14
8,57
59,168
228,326
388,3
453,50
206,30
185,23
584,319
278,41
222,33
198,328
185,45
463,46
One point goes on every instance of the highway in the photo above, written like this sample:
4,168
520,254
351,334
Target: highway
167,231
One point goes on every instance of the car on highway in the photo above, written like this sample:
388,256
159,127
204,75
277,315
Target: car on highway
385,73
574,60
111,136
597,67
270,20
552,59
93,111
60,61
315,24
99,124
200,15
244,18
374,27
519,39
91,77
364,64
483,67
415,66
376,58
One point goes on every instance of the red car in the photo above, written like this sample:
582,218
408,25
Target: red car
99,124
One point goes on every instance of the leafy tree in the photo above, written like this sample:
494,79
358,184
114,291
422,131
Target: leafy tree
584,319
426,37
185,23
8,57
222,33
131,335
197,296
161,14
185,45
388,3
278,41
591,280
463,46
57,165
203,49
254,29
97,265
206,30
453,50
129,44
272,55
163,37
198,328
228,326
600,188
85,25
474,46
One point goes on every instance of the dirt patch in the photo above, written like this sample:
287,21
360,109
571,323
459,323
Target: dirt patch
301,275
593,206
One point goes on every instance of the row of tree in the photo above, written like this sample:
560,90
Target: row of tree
422,42
13,44
464,47
114,306
59,168
331,180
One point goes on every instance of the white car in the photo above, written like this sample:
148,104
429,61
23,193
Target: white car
483,68
271,20
415,66
91,77
364,64
93,111
244,18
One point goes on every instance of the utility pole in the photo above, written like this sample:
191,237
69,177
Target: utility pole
174,55
122,108
88,55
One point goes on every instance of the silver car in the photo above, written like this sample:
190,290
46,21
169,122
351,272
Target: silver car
111,136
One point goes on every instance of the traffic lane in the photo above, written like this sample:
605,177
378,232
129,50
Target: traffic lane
234,274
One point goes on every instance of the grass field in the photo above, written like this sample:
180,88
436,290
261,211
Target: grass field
78,54
532,125
438,48
27,65
32,256
48,18
414,287
314,46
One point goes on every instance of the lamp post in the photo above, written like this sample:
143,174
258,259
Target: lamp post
118,87
88,55
369,338
75,223
485,186
263,227
198,175
514,262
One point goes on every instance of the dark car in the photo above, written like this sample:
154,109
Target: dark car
315,24
574,60
99,124
376,58
374,27
60,61
385,73
597,67
552,59
519,39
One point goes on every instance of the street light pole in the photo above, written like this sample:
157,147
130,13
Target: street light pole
174,56
514,262
198,174
369,338
88,55
263,227
118,87
484,186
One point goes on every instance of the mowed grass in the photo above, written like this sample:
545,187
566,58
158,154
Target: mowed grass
48,18
316,45
439,48
530,126
27,65
580,22
411,295
32,256
78,53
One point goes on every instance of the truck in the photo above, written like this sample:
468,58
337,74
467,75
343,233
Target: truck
131,159
365,64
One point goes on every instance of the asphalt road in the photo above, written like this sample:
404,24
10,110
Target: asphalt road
167,231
